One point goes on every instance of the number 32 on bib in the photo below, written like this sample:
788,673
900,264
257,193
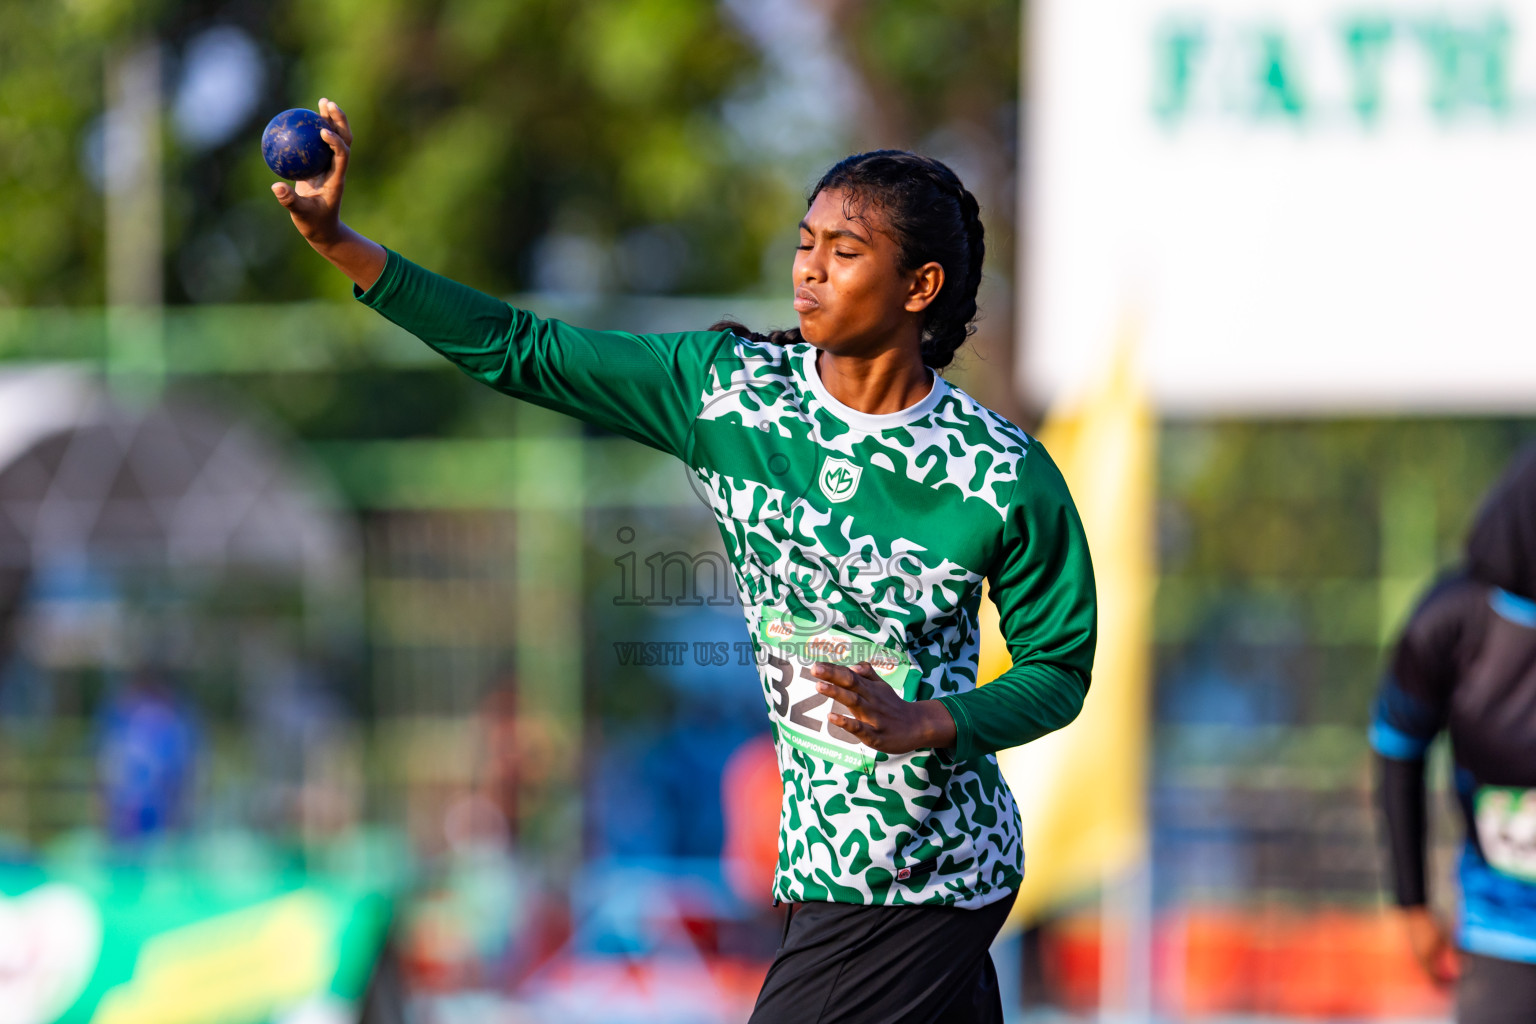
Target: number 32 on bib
791,646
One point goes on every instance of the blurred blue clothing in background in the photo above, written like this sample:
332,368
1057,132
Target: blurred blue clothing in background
147,751
658,795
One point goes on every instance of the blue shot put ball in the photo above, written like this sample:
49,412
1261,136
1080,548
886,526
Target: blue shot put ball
292,145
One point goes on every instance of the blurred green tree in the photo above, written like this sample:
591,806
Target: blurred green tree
50,90
944,79
583,144
565,144
575,144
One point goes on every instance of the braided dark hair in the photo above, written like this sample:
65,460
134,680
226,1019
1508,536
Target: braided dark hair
933,218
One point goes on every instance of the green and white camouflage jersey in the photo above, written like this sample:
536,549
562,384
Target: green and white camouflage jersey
853,537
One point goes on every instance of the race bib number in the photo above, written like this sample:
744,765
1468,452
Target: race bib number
1506,829
800,711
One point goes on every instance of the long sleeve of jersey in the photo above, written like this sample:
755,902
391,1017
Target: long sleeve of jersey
644,386
1410,709
1400,794
1047,609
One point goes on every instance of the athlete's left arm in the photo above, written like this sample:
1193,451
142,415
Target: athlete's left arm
1044,590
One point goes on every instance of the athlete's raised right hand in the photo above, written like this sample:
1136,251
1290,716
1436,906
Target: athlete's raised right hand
315,206
315,203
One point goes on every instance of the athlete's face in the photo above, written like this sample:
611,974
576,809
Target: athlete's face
850,289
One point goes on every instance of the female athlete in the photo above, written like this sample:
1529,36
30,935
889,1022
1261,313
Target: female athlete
863,501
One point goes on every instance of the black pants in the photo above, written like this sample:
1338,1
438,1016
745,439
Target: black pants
919,965
1495,991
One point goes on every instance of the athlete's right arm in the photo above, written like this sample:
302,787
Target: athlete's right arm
315,206
643,386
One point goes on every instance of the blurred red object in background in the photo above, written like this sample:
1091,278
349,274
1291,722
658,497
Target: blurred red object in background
1275,961
751,791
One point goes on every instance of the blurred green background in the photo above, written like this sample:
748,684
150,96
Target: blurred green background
424,680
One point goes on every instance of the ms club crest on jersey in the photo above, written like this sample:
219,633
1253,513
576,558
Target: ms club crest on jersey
839,479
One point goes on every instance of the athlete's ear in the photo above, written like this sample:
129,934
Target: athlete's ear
927,282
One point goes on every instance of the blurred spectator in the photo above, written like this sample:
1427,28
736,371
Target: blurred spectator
299,733
147,751
502,772
487,916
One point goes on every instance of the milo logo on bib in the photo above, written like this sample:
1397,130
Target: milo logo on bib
800,710
778,629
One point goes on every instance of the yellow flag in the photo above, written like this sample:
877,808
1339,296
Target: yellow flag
1082,790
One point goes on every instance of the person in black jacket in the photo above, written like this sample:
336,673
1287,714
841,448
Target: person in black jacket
1466,664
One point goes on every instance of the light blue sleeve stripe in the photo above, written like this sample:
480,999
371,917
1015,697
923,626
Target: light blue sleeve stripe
1513,607
1396,744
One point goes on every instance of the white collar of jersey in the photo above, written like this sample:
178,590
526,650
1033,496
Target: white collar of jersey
871,422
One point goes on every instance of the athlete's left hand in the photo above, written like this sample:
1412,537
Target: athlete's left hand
880,717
